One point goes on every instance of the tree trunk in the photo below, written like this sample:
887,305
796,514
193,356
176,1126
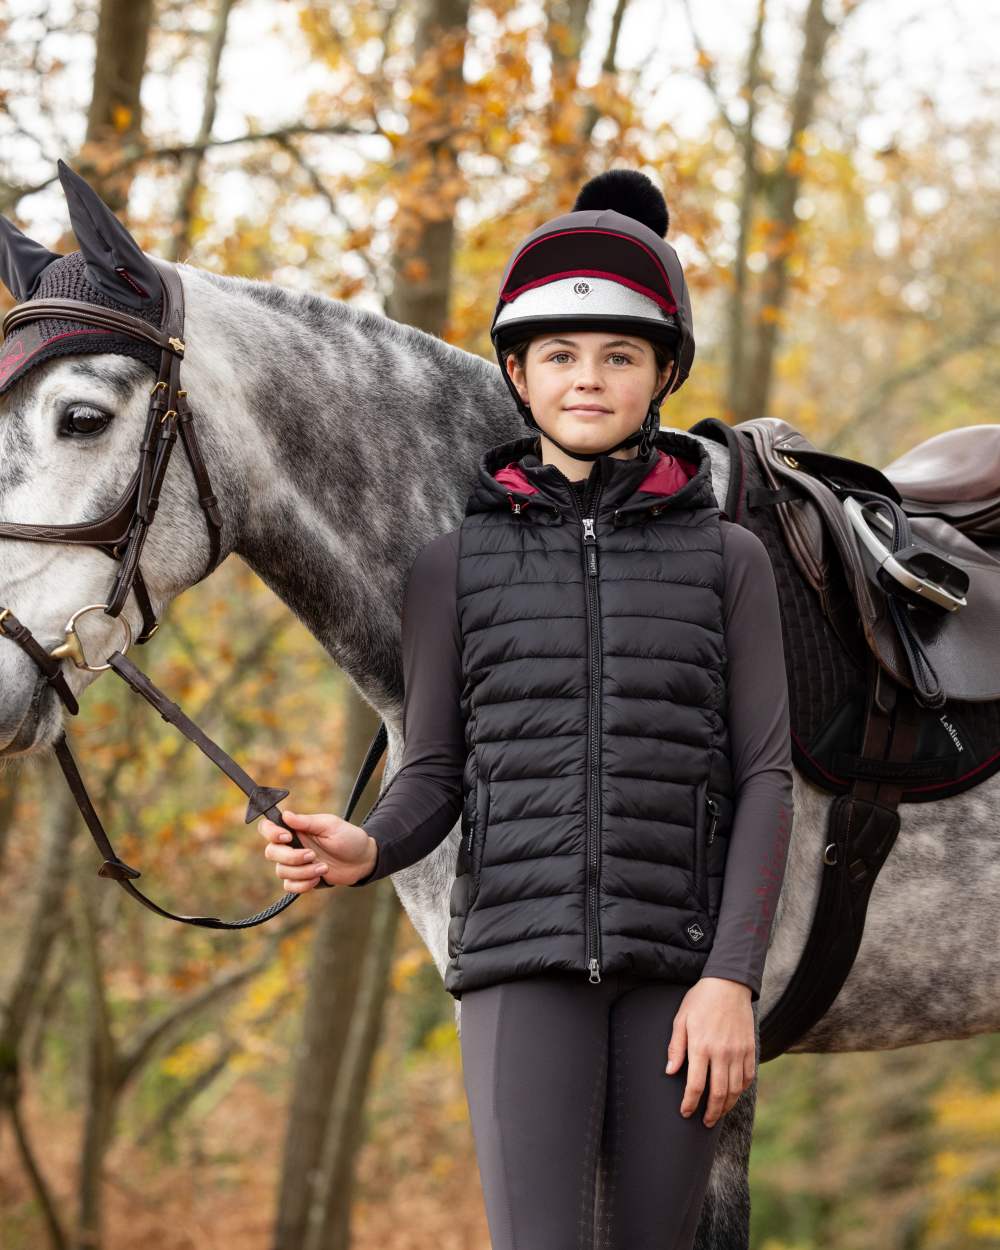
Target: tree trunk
322,1136
748,195
102,1078
425,235
345,1130
782,191
339,955
114,1064
567,123
8,806
23,995
115,114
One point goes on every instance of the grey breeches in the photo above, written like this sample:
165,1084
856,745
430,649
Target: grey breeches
578,1131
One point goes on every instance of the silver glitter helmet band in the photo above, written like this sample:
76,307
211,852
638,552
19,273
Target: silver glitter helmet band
586,297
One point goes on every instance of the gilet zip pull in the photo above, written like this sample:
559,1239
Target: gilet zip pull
713,807
590,543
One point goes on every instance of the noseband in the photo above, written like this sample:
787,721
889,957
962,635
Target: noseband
121,533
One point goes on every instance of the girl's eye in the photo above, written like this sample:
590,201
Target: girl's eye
614,355
82,419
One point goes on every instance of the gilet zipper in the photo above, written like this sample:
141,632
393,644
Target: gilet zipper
593,823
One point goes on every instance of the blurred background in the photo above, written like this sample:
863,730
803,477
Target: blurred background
832,177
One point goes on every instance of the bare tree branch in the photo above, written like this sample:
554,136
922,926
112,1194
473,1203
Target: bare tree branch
592,113
316,182
191,162
706,65
930,360
213,706
58,1238
135,1055
134,154
185,1096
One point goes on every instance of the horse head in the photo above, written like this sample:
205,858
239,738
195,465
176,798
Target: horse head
76,397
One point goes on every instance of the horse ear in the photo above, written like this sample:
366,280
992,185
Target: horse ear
21,260
116,264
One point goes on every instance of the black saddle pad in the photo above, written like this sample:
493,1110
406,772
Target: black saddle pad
958,744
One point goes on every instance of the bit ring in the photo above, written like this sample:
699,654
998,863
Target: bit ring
72,648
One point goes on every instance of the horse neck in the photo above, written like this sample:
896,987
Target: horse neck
340,442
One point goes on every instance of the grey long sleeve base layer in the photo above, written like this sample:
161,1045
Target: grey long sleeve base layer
424,799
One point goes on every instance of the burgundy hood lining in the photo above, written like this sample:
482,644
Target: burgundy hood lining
666,477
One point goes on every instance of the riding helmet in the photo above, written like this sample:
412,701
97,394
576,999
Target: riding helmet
605,264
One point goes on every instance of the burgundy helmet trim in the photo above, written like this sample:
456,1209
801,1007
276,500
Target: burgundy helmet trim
565,242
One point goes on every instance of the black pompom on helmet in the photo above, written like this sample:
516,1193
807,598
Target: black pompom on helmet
604,265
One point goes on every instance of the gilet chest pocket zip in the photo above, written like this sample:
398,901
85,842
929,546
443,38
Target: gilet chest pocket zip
706,824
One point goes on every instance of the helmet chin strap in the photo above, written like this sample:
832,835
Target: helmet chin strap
643,436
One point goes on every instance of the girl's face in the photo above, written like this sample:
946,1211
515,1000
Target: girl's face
590,388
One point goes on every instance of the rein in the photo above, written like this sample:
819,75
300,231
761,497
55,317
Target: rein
121,533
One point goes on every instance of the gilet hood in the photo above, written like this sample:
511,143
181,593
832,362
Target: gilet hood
511,477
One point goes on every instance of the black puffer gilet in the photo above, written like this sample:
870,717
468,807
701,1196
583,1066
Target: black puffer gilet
598,784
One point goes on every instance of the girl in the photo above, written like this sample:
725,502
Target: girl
595,683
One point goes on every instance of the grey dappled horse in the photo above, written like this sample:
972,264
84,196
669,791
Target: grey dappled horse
339,442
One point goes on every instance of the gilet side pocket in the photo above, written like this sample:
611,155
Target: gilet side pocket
706,823
480,822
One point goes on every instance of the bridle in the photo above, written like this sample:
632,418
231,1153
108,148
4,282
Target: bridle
121,533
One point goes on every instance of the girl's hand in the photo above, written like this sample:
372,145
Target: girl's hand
714,1024
333,848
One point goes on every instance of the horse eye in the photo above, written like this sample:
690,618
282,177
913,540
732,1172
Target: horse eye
84,419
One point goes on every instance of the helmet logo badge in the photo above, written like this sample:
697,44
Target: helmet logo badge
582,288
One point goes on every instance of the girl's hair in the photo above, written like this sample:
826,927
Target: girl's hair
519,350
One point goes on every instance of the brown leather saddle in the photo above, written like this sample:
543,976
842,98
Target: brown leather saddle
949,654
869,724
954,476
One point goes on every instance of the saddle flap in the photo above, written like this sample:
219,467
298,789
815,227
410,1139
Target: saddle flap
963,646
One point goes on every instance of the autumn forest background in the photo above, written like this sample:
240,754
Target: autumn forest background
832,177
